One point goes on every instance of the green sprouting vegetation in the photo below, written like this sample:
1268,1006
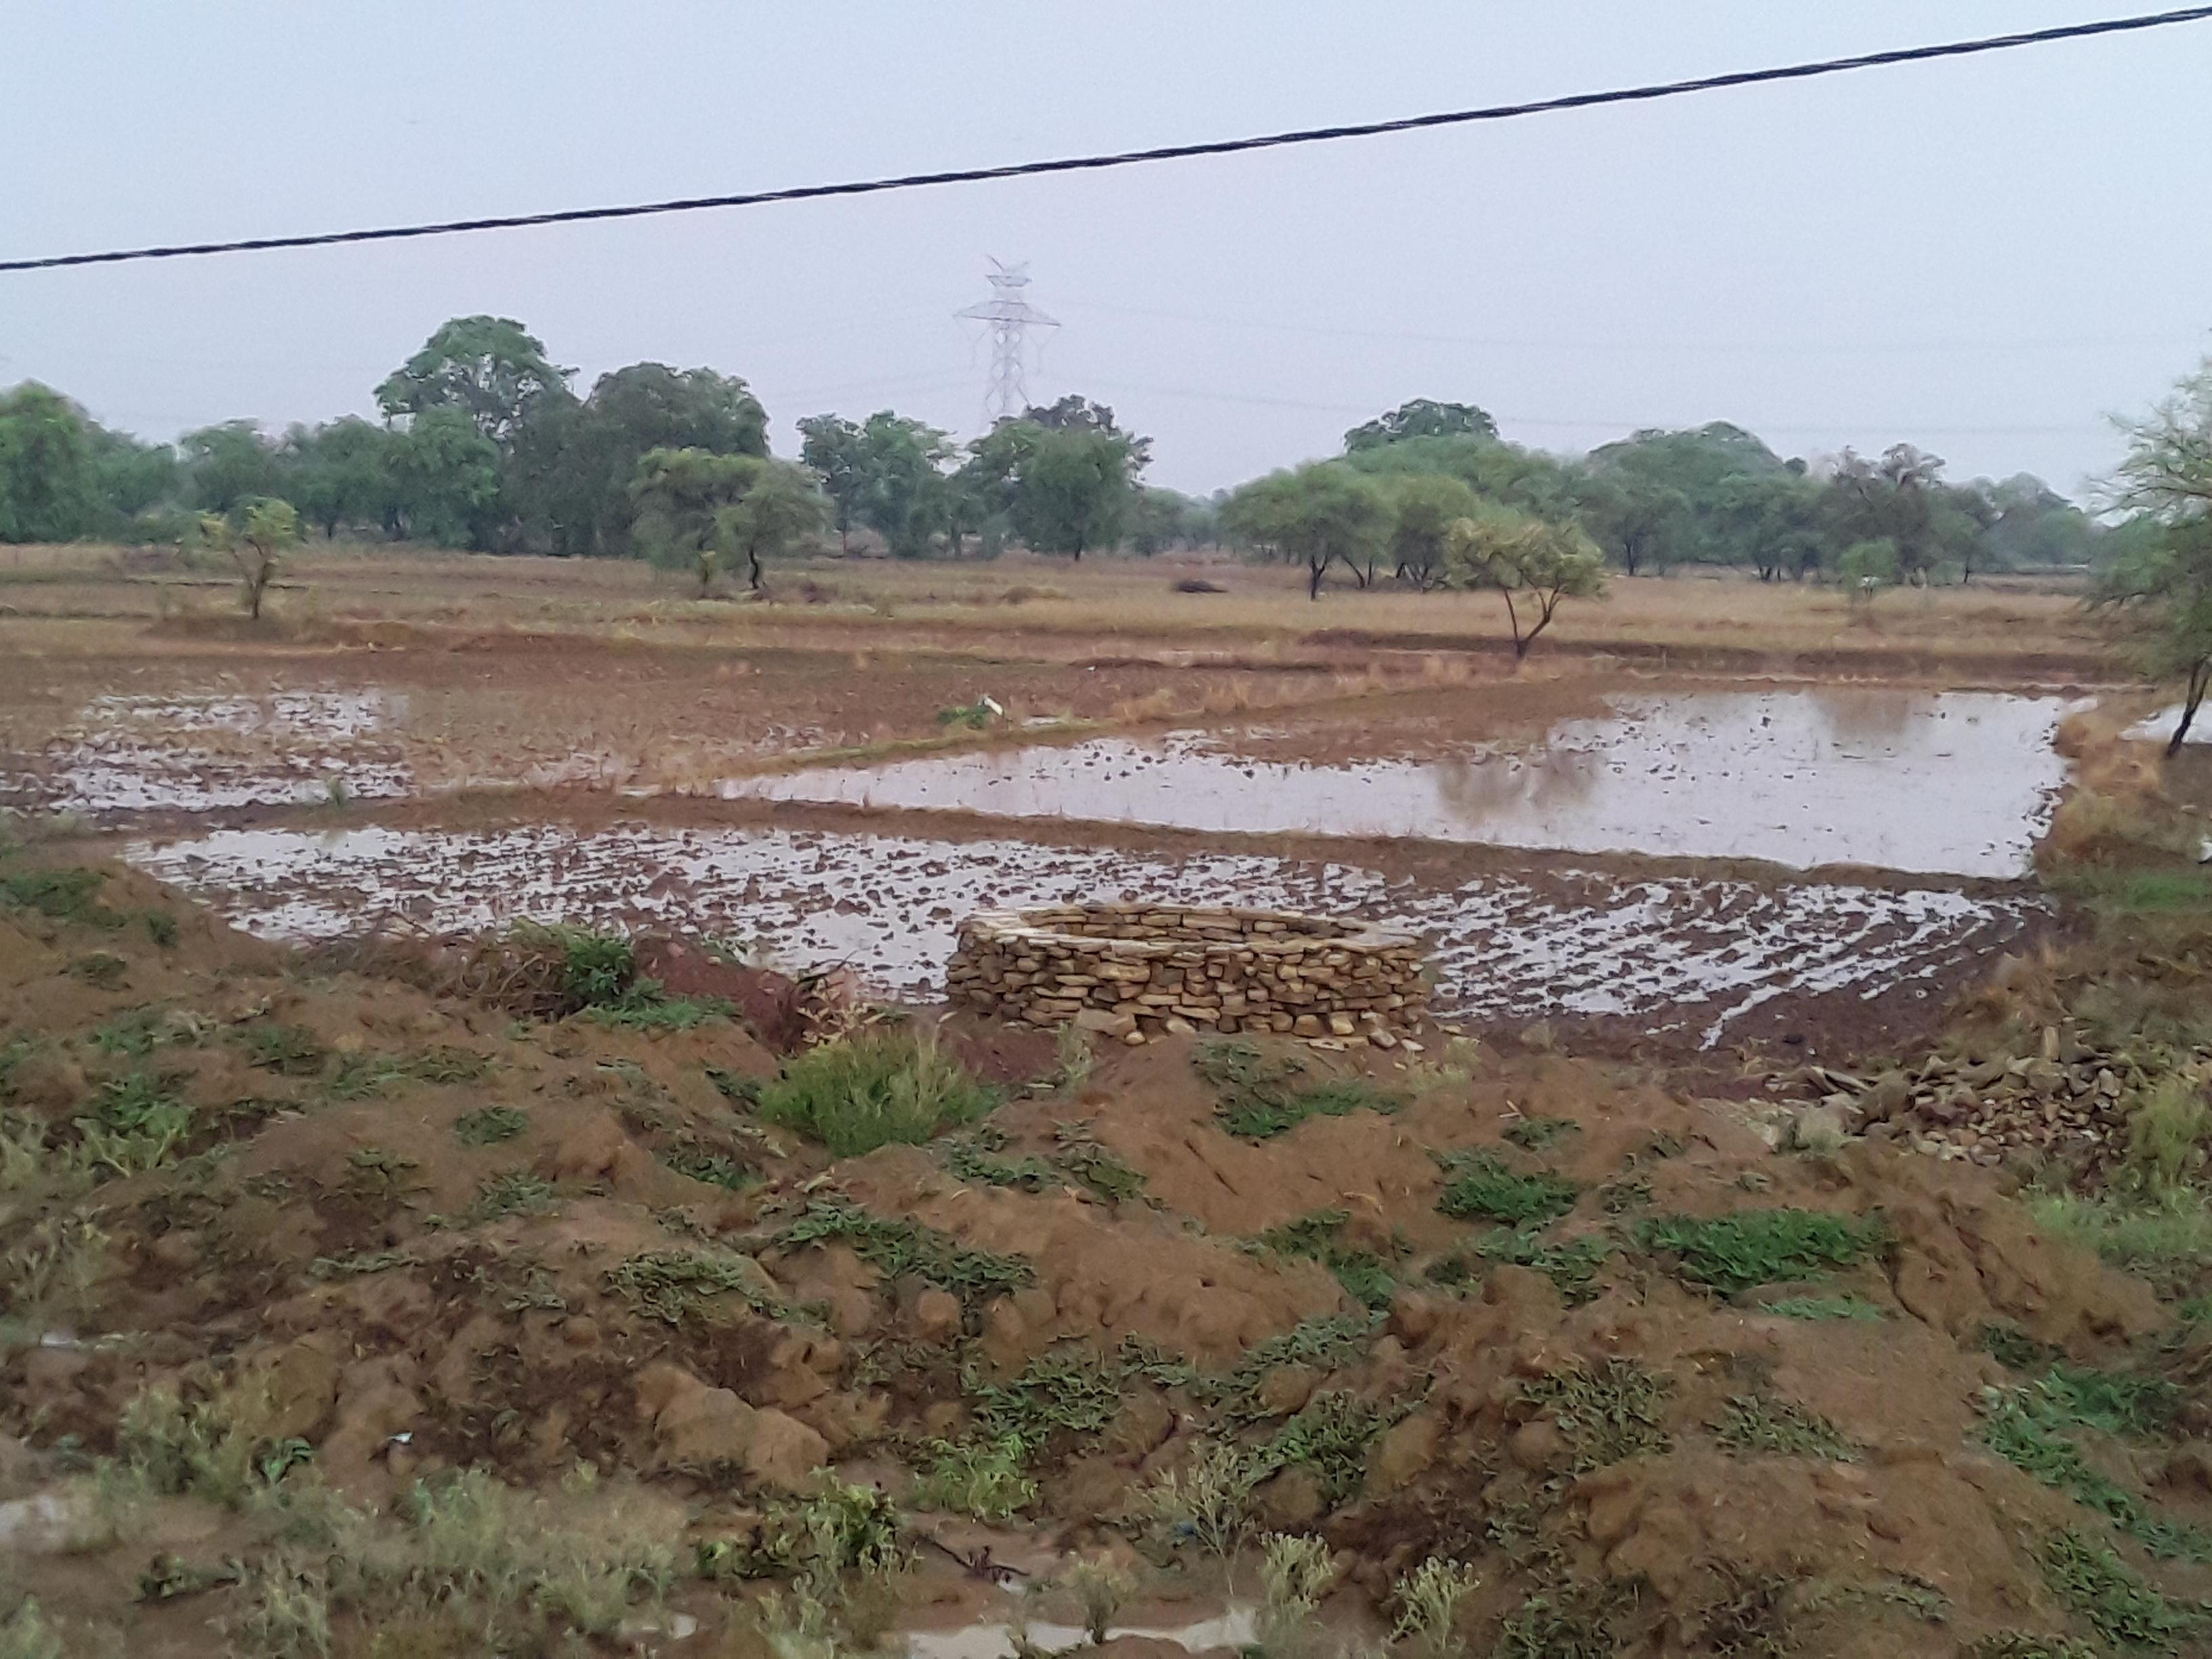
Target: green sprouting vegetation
975,716
1077,1161
715,1169
738,1089
2166,1240
71,895
899,1248
101,969
2123,1608
984,1476
1606,1412
1365,1275
509,1193
659,1013
872,1088
1323,1345
2019,1645
677,1284
489,1126
1746,1248
1575,1620
1824,1307
1571,1264
1480,1185
136,1032
288,1050
137,1124
1327,1438
217,1445
1058,1395
378,1176
1754,1424
1540,1135
358,1075
1259,1095
2029,1426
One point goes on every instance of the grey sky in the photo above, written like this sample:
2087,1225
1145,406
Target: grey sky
1983,258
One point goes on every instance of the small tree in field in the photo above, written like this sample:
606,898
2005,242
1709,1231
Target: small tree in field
2163,566
257,535
1867,567
1534,563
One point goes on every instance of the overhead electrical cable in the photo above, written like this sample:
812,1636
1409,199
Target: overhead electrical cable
1131,158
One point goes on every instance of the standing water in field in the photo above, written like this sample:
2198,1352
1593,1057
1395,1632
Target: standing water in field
1955,782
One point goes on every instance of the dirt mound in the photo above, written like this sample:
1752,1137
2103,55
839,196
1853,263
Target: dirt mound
287,1239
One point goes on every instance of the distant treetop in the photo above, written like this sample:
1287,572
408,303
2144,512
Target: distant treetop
1424,417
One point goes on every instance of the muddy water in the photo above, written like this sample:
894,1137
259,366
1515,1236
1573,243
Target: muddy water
1233,1629
1960,783
1676,954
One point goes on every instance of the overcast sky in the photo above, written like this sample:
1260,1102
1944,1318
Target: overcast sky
1984,258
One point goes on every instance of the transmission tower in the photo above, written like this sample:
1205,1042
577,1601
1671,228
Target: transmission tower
1009,317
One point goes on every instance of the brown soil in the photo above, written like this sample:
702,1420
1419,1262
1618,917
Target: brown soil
344,1244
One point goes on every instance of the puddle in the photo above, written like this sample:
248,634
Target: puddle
2159,727
1958,783
1233,1629
1676,953
129,755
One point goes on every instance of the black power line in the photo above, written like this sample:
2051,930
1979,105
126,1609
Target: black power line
1130,158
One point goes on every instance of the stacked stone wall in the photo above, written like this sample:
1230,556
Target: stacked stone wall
1134,970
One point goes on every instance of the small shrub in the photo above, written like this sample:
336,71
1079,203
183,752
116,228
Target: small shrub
1478,1185
1207,1499
1570,1620
1295,1574
491,1125
217,1446
1057,1395
1749,1248
54,1266
1540,1135
25,1634
2165,1135
1752,1424
873,1088
1100,1589
101,969
2166,1239
1328,1439
984,1476
1608,1412
137,1125
283,1611
1429,1601
65,895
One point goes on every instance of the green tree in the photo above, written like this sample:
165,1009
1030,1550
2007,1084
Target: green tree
1321,515
1535,564
1424,506
1074,492
130,480
1160,519
1901,498
568,480
48,484
445,475
490,367
901,469
1424,417
1663,498
343,474
700,509
256,534
228,463
2163,567
1866,567
779,506
837,451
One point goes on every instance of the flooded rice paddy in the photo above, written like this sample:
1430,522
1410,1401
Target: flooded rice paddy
1674,954
1958,783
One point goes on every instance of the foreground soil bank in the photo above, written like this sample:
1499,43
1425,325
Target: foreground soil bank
291,1243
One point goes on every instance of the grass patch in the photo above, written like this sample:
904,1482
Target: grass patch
1608,1412
510,1193
2167,1240
2123,1607
1753,1425
1571,1264
358,1076
899,1248
101,969
491,1125
1826,1307
1322,1346
286,1050
65,895
1057,1395
1540,1135
1746,1248
875,1089
135,1125
1572,1620
1364,1275
1078,1161
1480,1186
738,1090
2028,1427
1328,1439
659,1013
1259,1095
703,1163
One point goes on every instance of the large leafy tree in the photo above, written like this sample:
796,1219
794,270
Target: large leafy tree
1901,498
445,481
491,369
1661,498
344,474
48,483
704,510
1424,506
1074,492
228,463
568,479
1322,513
1535,564
2163,571
1424,417
837,451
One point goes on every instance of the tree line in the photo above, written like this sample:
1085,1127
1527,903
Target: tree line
484,444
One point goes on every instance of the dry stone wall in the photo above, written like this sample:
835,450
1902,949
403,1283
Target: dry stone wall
1134,970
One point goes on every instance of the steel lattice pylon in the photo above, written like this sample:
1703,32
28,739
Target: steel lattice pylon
1010,317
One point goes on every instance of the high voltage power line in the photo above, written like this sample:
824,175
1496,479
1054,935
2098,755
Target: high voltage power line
1130,158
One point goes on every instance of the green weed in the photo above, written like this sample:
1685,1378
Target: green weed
899,1248
101,969
2026,1426
715,1169
378,1176
218,1447
873,1088
1258,1097
1328,1439
1081,1162
288,1050
1540,1135
2018,1645
2116,1600
1057,1395
982,1476
1608,1412
1429,1601
509,1193
1752,1424
2166,1240
160,926
738,1089
25,1634
1323,1345
1571,1264
1572,1620
282,1610
65,895
659,1013
1479,1185
672,1286
1365,1276
136,1125
1749,1248
491,1125
1207,1499
1824,1307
